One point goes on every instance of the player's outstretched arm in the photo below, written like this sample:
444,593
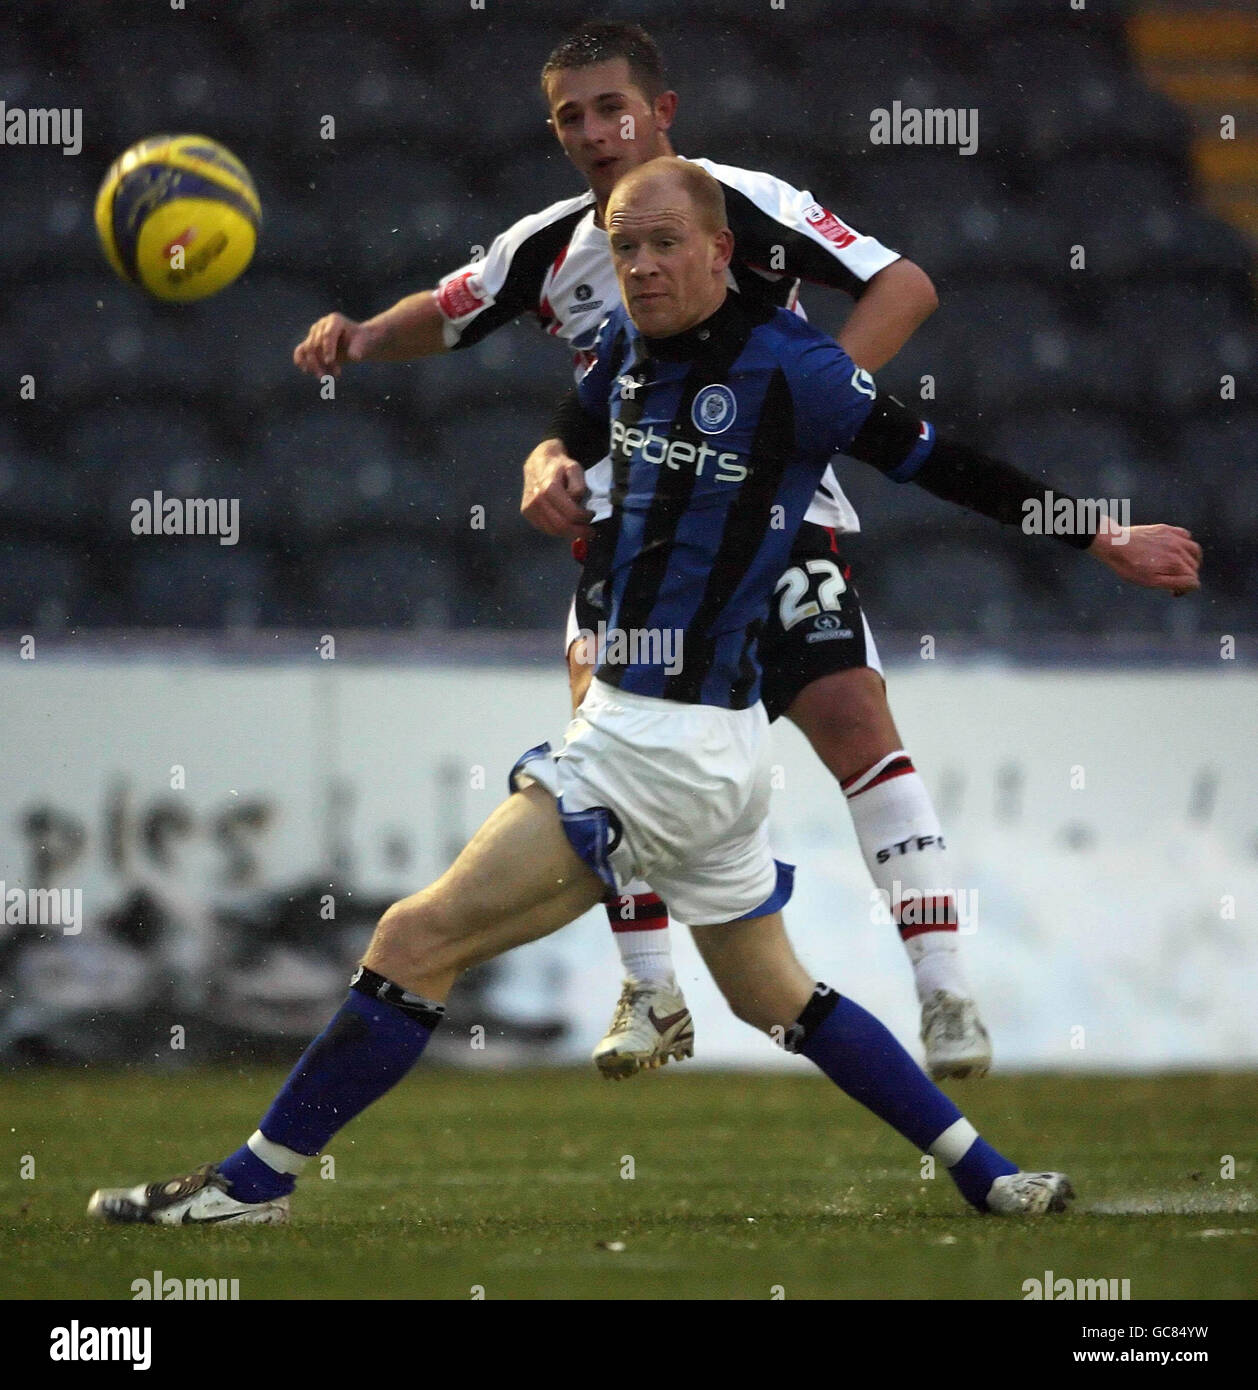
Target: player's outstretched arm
554,492
898,443
1155,557
412,328
894,305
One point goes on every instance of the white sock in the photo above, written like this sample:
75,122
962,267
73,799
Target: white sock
639,924
905,853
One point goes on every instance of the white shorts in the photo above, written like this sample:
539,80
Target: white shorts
676,794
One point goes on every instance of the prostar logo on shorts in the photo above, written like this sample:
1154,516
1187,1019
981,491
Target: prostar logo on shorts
824,221
655,449
462,295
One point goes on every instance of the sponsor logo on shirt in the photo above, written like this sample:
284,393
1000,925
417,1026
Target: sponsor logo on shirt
659,451
462,296
822,220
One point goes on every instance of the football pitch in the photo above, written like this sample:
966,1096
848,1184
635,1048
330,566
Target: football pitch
681,1184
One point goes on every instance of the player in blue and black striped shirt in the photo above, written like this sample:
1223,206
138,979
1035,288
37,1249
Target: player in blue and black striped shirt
718,434
720,419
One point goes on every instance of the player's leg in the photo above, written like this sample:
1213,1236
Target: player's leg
651,1022
518,879
846,718
822,671
756,969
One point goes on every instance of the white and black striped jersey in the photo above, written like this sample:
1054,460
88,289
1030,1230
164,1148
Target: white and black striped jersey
557,265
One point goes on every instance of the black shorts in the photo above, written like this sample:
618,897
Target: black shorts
815,625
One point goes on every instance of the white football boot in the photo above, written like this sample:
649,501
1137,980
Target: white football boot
956,1041
1029,1194
650,1025
194,1199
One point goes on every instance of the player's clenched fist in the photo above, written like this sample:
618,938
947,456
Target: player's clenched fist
1157,557
555,492
332,341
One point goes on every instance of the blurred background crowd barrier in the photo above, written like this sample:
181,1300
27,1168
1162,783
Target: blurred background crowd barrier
234,830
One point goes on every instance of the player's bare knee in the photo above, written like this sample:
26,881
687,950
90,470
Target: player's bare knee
751,1010
417,938
846,719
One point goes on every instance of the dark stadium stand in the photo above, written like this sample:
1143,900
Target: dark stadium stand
356,510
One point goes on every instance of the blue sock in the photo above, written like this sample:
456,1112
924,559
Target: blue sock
862,1058
373,1040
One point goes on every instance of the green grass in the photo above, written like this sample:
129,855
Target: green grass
513,1182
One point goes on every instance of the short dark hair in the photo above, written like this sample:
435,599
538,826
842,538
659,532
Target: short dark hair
603,41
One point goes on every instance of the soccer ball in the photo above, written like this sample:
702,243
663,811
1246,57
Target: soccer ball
179,216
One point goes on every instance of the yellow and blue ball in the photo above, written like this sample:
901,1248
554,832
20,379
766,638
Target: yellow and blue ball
179,216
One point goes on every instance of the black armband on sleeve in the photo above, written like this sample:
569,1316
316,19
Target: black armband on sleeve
892,439
899,444
994,488
583,437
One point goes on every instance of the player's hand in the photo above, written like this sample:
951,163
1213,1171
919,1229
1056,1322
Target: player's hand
554,493
1156,557
332,341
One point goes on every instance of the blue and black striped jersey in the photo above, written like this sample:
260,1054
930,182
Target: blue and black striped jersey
717,437
557,265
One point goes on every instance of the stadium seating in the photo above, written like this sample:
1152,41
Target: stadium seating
195,83
1109,376
383,583
936,587
43,586
198,583
39,496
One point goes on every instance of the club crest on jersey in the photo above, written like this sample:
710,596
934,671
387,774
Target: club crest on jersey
714,409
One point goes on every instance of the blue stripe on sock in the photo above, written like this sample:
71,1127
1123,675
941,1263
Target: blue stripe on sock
365,1050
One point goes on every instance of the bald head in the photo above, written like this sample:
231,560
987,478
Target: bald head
676,182
670,244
